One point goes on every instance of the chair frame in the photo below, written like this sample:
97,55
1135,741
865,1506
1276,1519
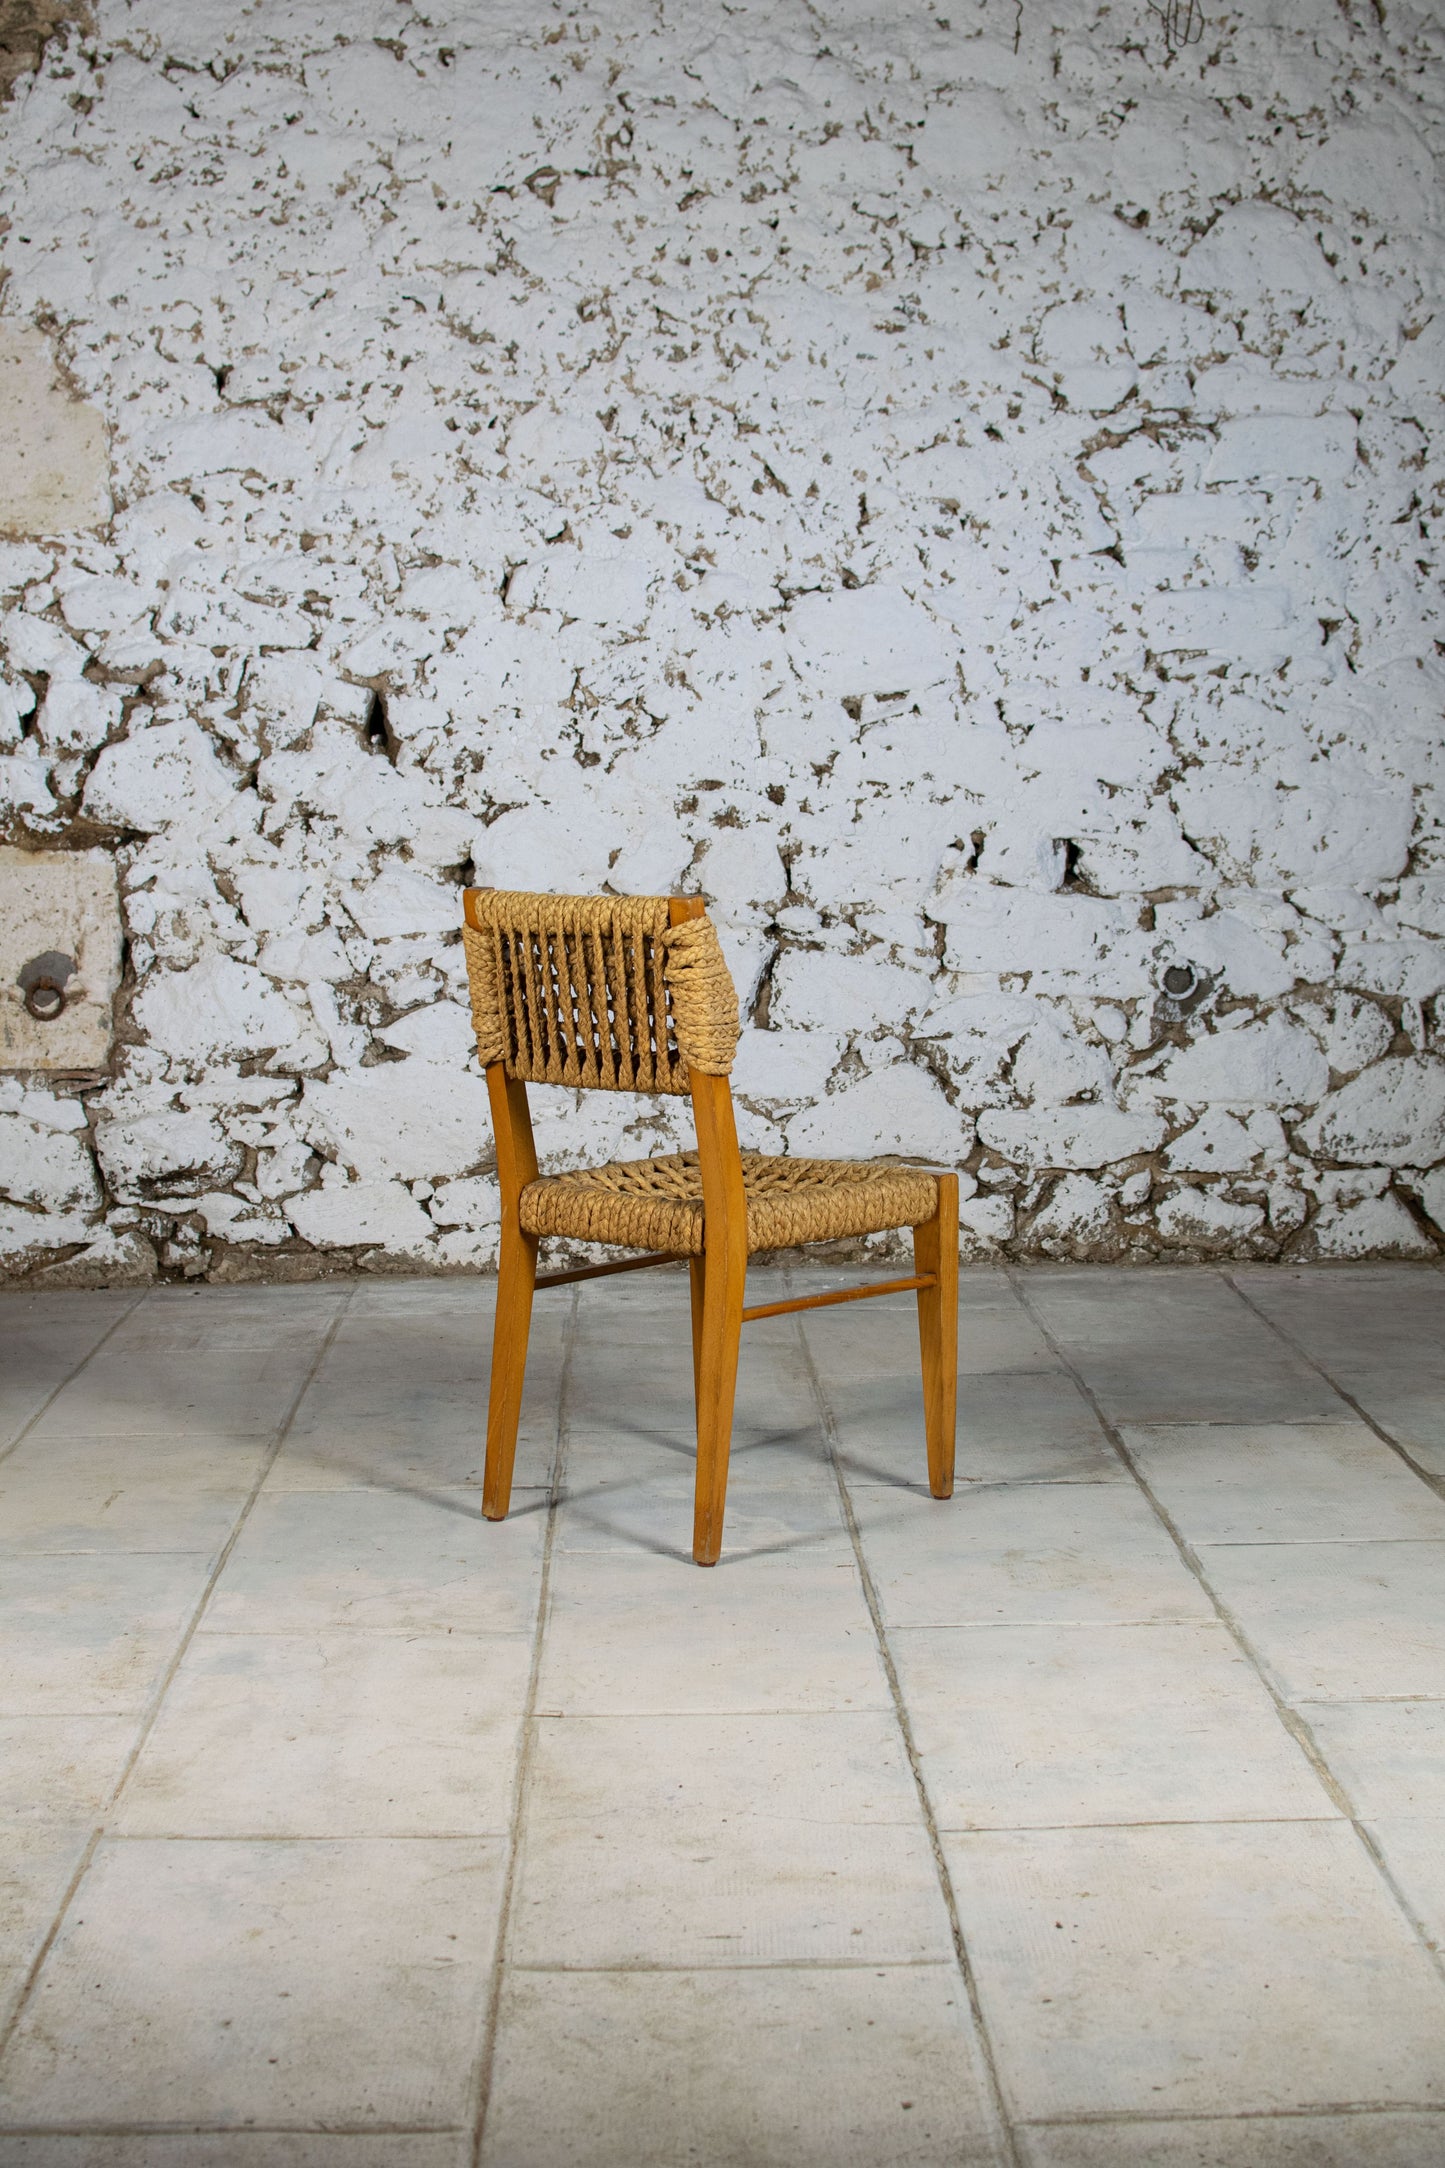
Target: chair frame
718,1279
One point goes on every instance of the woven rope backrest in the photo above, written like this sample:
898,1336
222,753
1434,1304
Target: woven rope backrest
600,992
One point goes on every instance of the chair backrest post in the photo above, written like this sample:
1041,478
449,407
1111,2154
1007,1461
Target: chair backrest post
724,1200
512,1129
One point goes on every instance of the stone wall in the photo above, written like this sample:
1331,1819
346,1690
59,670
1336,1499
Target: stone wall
960,488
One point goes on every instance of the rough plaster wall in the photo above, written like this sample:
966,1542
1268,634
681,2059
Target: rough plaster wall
959,488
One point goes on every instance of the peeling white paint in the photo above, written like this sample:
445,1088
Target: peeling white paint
967,503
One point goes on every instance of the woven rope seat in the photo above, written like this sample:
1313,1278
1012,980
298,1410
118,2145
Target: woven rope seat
656,1204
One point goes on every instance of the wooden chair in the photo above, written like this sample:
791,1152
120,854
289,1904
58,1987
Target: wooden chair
631,993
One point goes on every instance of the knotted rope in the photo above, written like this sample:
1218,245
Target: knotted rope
598,991
486,999
704,999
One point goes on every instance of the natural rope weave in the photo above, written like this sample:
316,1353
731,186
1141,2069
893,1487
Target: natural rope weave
656,1204
598,992
486,1002
704,999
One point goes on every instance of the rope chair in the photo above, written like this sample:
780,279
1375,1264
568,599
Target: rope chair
631,993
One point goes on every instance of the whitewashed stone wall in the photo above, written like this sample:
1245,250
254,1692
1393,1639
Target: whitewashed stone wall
961,488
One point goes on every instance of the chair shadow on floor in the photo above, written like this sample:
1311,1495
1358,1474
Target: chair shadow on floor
798,1443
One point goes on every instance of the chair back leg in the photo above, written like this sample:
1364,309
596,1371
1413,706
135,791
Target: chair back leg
935,1250
516,1281
697,1280
715,1354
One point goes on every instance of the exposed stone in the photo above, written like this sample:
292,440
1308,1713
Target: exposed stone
1390,1115
1369,1227
895,1109
59,921
54,471
177,1152
1202,1219
1219,1143
1083,1136
1431,1190
215,1007
379,1215
1272,1063
412,1119
1074,1220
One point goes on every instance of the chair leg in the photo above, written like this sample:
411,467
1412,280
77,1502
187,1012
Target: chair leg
697,1281
717,1370
935,1250
516,1280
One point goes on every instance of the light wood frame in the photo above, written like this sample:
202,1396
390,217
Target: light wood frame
717,1283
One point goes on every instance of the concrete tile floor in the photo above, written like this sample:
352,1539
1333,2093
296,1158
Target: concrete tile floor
1094,1820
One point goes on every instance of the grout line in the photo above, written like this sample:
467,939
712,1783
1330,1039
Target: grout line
723,1966
1086,2119
72,1374
153,1707
901,1717
338,2129
481,2086
1313,2112
1296,1347
1295,1724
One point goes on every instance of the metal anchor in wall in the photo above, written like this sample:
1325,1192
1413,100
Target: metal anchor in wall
43,982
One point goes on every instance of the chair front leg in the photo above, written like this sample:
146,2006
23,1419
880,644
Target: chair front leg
935,1250
716,1358
516,1281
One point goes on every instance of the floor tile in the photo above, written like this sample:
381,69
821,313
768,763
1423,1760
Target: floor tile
1413,1850
1339,1621
216,1320
1175,1346
1032,1726
1201,1970
334,1735
432,1341
1378,1331
724,1849
1019,1552
239,2149
655,1314
90,1635
401,1397
1013,1426
170,1492
785,1632
469,1294
655,1448
819,2068
43,1338
1283,1483
995,1331
724,1840
37,1865
1388,1755
420,1433
61,1768
627,1429
1294,2141
122,1392
642,1518
1030,1426
394,1560
274,1982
